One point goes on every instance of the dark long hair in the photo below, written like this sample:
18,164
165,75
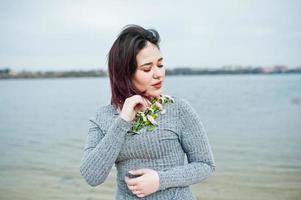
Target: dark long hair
122,62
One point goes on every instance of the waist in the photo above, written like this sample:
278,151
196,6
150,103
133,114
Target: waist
174,193
155,164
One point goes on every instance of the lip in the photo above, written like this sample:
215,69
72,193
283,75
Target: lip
157,85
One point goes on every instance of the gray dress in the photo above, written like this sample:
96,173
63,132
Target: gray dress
178,149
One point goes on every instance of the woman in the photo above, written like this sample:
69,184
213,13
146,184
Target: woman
156,159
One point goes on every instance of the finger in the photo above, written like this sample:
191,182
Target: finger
133,188
137,172
128,180
137,192
147,99
144,103
143,107
138,107
148,102
141,195
131,182
140,103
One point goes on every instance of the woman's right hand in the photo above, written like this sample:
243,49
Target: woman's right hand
132,105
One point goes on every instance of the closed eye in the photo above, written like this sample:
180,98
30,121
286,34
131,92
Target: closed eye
148,70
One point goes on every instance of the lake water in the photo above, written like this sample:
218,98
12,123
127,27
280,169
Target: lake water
253,124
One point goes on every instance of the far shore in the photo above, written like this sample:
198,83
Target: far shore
277,69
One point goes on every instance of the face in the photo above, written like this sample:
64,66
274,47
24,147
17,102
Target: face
150,71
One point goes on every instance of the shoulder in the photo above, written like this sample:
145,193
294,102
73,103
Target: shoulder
103,115
186,110
182,103
183,107
187,115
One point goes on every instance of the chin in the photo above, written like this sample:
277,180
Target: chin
154,93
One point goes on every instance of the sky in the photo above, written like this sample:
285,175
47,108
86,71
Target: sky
41,35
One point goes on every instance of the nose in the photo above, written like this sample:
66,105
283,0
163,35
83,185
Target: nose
158,72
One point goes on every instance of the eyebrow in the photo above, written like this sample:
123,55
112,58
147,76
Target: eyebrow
149,63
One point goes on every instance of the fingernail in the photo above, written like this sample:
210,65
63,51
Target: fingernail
131,172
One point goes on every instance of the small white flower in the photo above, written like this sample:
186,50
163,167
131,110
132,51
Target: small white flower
169,97
159,105
144,117
151,119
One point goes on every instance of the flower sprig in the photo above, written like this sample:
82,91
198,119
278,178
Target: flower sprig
148,117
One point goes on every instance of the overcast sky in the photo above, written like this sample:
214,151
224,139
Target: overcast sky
63,35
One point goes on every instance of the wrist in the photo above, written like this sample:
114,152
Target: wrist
125,118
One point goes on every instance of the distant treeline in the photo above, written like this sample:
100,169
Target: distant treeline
8,74
257,70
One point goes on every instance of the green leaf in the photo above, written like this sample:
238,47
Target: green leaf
153,111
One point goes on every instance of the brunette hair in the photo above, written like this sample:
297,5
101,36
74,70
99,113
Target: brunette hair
122,62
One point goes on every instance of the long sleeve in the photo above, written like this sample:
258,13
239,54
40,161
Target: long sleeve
196,145
101,150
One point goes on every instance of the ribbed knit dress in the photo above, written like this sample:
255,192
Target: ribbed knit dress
178,149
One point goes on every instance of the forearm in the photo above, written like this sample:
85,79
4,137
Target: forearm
195,144
97,162
185,175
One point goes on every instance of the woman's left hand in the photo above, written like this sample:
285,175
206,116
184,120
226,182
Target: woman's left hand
145,184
